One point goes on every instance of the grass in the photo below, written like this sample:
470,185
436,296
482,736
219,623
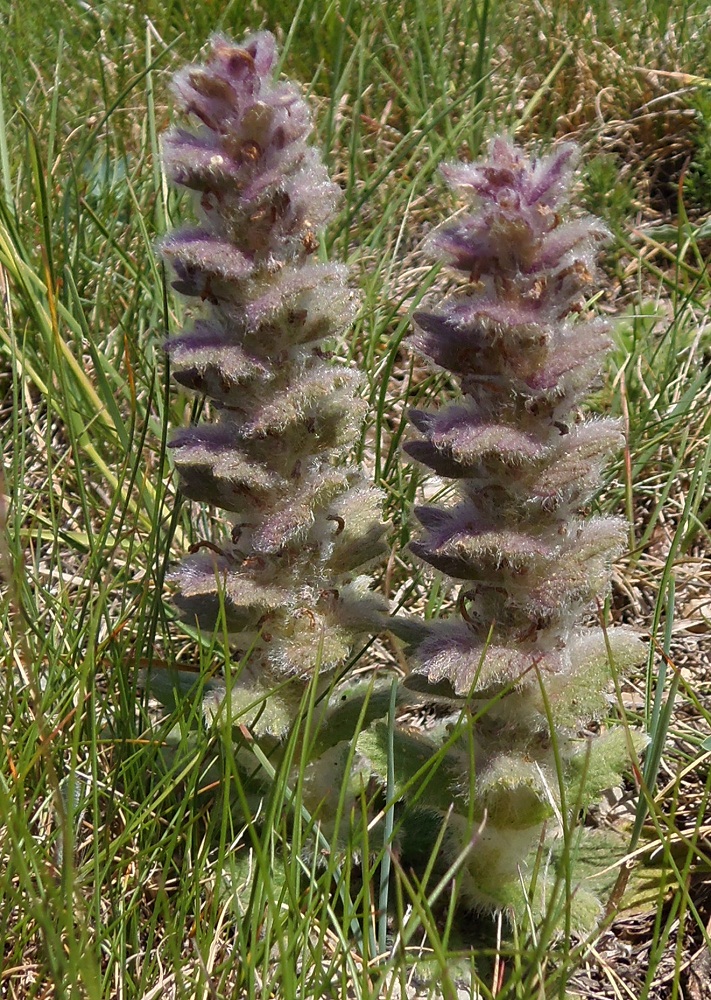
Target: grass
120,859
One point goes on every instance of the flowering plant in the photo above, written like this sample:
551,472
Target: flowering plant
285,583
533,562
499,697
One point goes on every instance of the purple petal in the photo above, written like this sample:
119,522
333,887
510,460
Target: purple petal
552,174
199,162
199,258
564,238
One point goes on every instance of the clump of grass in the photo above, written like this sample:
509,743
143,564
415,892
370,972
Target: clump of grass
697,186
625,82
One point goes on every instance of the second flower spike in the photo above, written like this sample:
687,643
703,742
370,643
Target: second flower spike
524,464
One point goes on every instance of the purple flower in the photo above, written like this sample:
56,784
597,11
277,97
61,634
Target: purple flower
533,565
284,418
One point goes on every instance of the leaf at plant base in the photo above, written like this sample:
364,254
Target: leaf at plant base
411,754
172,687
349,702
598,763
598,858
368,700
241,869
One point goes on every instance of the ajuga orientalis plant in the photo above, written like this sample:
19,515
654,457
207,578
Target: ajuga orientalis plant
528,647
489,745
285,584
